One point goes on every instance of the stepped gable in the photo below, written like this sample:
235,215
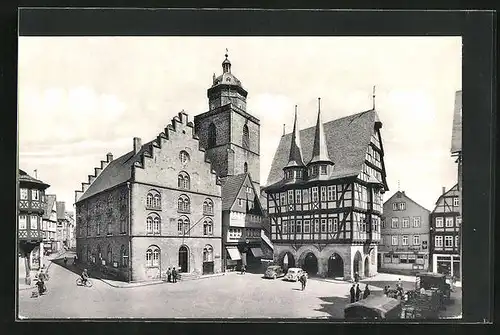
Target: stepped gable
121,170
92,177
347,140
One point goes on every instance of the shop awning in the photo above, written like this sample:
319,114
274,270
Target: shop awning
234,253
257,252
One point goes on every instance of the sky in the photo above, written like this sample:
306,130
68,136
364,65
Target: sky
82,97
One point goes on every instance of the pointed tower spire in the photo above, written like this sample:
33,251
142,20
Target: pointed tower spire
295,156
320,151
373,98
226,64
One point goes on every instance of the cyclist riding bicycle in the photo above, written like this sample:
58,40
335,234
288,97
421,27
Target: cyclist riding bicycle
84,276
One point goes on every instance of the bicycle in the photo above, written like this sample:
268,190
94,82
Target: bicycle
79,282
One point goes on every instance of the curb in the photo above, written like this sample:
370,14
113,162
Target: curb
141,284
47,270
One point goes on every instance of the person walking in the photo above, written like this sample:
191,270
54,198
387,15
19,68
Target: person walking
358,292
353,293
174,275
303,280
366,293
169,275
65,260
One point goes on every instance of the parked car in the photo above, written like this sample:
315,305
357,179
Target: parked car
294,274
274,271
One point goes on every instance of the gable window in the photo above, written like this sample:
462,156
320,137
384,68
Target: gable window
183,204
394,240
24,194
34,195
245,167
416,240
307,226
438,241
208,207
394,223
439,222
416,222
402,206
22,221
208,227
406,222
183,181
395,206
240,202
246,137
184,157
449,222
212,136
455,202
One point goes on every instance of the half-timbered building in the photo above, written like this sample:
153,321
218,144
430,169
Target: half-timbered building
324,196
445,233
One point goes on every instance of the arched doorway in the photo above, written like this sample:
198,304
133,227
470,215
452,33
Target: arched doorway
310,264
183,258
367,266
356,266
287,261
335,266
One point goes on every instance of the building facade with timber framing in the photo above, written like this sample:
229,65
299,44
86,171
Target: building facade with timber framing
324,196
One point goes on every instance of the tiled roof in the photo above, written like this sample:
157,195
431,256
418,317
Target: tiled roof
456,135
51,199
295,156
347,141
231,186
24,177
403,194
117,172
61,210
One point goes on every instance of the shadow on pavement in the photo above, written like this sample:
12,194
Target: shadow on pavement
333,306
75,268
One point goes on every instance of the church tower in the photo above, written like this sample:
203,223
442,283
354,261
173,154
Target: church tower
230,135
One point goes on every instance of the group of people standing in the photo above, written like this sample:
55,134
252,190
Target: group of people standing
357,294
172,275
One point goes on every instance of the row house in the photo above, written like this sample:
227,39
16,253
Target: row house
324,196
49,225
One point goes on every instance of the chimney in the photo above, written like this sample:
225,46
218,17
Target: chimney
109,157
444,190
137,144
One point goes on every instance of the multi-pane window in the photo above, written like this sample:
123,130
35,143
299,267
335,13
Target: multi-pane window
394,240
290,196
299,226
394,223
406,222
208,227
153,256
149,225
285,227
402,206
183,204
439,222
448,241
323,169
208,207
323,193
330,225
331,192
416,240
34,222
282,198
316,225
305,195
307,226
314,195
292,226
395,206
156,224
184,157
458,221
183,181
404,240
35,195
183,225
438,241
22,221
298,198
455,202
449,222
323,225
416,222
24,194
335,225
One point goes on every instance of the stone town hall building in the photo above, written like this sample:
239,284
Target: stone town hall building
160,205
324,196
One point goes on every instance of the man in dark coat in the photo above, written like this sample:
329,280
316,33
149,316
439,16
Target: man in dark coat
358,292
169,275
366,293
303,280
174,275
353,294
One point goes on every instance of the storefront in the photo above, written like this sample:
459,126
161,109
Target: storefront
447,264
410,262
233,258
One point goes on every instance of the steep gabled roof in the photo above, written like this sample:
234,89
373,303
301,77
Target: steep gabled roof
403,194
231,186
51,199
347,140
117,172
26,178
454,188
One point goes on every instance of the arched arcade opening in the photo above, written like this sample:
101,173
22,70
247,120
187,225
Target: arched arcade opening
335,266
